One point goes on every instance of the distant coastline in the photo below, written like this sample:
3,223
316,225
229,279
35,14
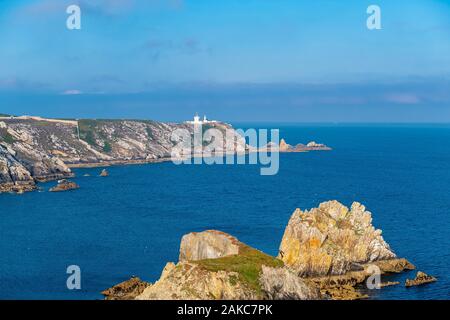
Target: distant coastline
35,149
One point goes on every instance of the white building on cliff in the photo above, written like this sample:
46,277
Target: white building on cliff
197,120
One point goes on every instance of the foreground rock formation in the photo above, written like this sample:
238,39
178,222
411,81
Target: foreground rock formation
421,278
324,254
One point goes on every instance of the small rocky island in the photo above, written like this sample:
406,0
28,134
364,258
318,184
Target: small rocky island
421,278
104,173
324,254
310,146
64,185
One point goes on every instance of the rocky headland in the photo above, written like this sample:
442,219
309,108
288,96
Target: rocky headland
324,254
34,149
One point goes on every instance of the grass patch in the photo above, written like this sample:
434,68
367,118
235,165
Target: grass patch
149,133
248,264
91,129
6,137
107,147
87,129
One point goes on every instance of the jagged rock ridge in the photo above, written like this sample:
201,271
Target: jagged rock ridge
332,240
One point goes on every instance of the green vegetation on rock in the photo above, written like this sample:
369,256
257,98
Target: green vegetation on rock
87,129
91,129
6,137
107,147
248,264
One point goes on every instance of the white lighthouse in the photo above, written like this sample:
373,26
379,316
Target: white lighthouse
197,120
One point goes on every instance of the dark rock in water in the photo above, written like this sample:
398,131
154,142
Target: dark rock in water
104,173
421,278
65,185
127,290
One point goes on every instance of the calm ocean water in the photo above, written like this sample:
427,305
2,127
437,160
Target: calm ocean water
131,223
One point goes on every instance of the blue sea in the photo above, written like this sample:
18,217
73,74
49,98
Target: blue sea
131,223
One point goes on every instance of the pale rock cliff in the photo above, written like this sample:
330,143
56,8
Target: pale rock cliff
208,244
283,284
47,148
332,240
13,175
193,282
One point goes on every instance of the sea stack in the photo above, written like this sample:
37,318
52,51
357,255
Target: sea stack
421,278
64,185
332,240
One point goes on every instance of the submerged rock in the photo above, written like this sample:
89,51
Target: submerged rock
421,278
64,185
127,290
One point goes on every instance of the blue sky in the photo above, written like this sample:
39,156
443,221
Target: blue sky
261,60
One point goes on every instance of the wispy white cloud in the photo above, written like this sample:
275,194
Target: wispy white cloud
72,92
403,98
101,7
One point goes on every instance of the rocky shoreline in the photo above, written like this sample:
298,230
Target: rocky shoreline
325,253
34,149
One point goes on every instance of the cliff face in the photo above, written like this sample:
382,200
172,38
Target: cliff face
13,175
47,148
99,140
324,254
332,240
37,149
211,244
